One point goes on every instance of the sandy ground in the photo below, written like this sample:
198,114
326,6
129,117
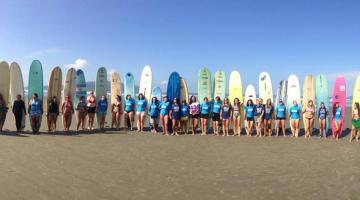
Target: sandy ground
121,165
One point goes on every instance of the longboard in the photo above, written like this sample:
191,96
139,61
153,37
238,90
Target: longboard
293,93
80,86
204,84
115,87
129,85
265,87
184,93
54,86
36,83
5,81
250,94
156,92
308,93
173,91
146,82
100,87
219,85
339,95
70,84
322,95
235,87
16,86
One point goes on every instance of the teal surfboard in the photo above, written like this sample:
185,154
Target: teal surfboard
204,85
322,95
156,92
100,86
36,84
129,85
80,86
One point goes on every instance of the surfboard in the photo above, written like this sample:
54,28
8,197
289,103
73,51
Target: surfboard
156,92
235,87
356,92
173,87
293,91
5,81
184,93
100,87
250,94
54,86
339,95
204,84
146,82
16,86
265,87
115,87
80,86
308,90
322,95
220,85
129,85
35,84
70,84
281,92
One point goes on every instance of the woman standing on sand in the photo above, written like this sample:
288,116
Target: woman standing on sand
225,116
81,113
194,113
249,117
141,111
216,109
19,112
91,105
236,116
164,114
129,111
309,114
184,117
294,112
268,117
52,114
280,114
175,116
259,117
355,128
35,111
67,110
322,115
205,109
337,115
154,114
117,112
102,111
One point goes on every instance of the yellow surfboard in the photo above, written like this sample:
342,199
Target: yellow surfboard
184,94
54,87
308,90
235,87
356,92
5,81
115,86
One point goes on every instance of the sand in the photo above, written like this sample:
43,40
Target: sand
131,165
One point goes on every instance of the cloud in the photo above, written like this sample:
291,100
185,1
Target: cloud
163,82
349,75
78,64
43,52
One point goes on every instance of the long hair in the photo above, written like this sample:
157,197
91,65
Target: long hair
238,102
334,107
249,103
191,99
357,106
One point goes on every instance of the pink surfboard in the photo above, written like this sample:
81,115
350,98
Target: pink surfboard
339,95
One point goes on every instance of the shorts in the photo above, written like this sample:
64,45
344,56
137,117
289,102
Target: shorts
154,119
142,113
194,116
258,120
216,117
127,112
91,110
280,118
102,114
204,116
185,118
52,115
236,114
249,118
175,117
268,118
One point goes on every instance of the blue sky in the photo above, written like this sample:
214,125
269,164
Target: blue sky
278,36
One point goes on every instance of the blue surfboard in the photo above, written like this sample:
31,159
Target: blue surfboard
80,86
129,85
173,87
156,92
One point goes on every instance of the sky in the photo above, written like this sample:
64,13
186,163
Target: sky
281,37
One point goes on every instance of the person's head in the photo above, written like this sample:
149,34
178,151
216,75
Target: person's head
54,99
257,101
82,98
295,103
250,102
281,102
236,101
226,100
175,101
103,97
118,98
165,99
128,96
268,102
217,98
18,97
92,92
141,96
154,99
310,103
192,99
336,105
183,101
35,96
322,105
206,99
67,98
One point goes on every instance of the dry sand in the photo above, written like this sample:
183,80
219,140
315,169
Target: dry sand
121,165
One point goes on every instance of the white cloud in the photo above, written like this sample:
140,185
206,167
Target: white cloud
78,64
163,82
43,52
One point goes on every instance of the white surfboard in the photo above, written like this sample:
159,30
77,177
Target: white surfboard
16,86
250,94
265,87
235,87
146,82
293,92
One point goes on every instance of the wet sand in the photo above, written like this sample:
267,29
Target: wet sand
131,165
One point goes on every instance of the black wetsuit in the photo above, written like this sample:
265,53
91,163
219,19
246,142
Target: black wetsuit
18,110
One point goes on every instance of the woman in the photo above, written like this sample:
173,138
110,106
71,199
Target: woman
216,115
164,114
91,105
337,115
249,117
322,116
355,128
35,111
141,110
204,115
3,112
280,114
236,116
194,113
116,111
129,112
102,111
259,117
175,116
294,113
225,113
81,113
309,114
184,117
19,112
154,114
67,109
268,117
52,114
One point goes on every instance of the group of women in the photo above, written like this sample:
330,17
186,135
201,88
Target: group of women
176,116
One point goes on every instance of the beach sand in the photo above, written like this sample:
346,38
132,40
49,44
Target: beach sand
132,165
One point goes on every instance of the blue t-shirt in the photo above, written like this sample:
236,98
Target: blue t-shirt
129,105
164,108
36,107
249,111
338,113
102,105
205,108
154,110
259,110
175,108
281,111
322,113
294,112
268,113
141,105
216,107
184,110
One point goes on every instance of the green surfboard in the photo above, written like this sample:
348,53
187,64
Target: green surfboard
36,84
100,86
220,85
204,85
